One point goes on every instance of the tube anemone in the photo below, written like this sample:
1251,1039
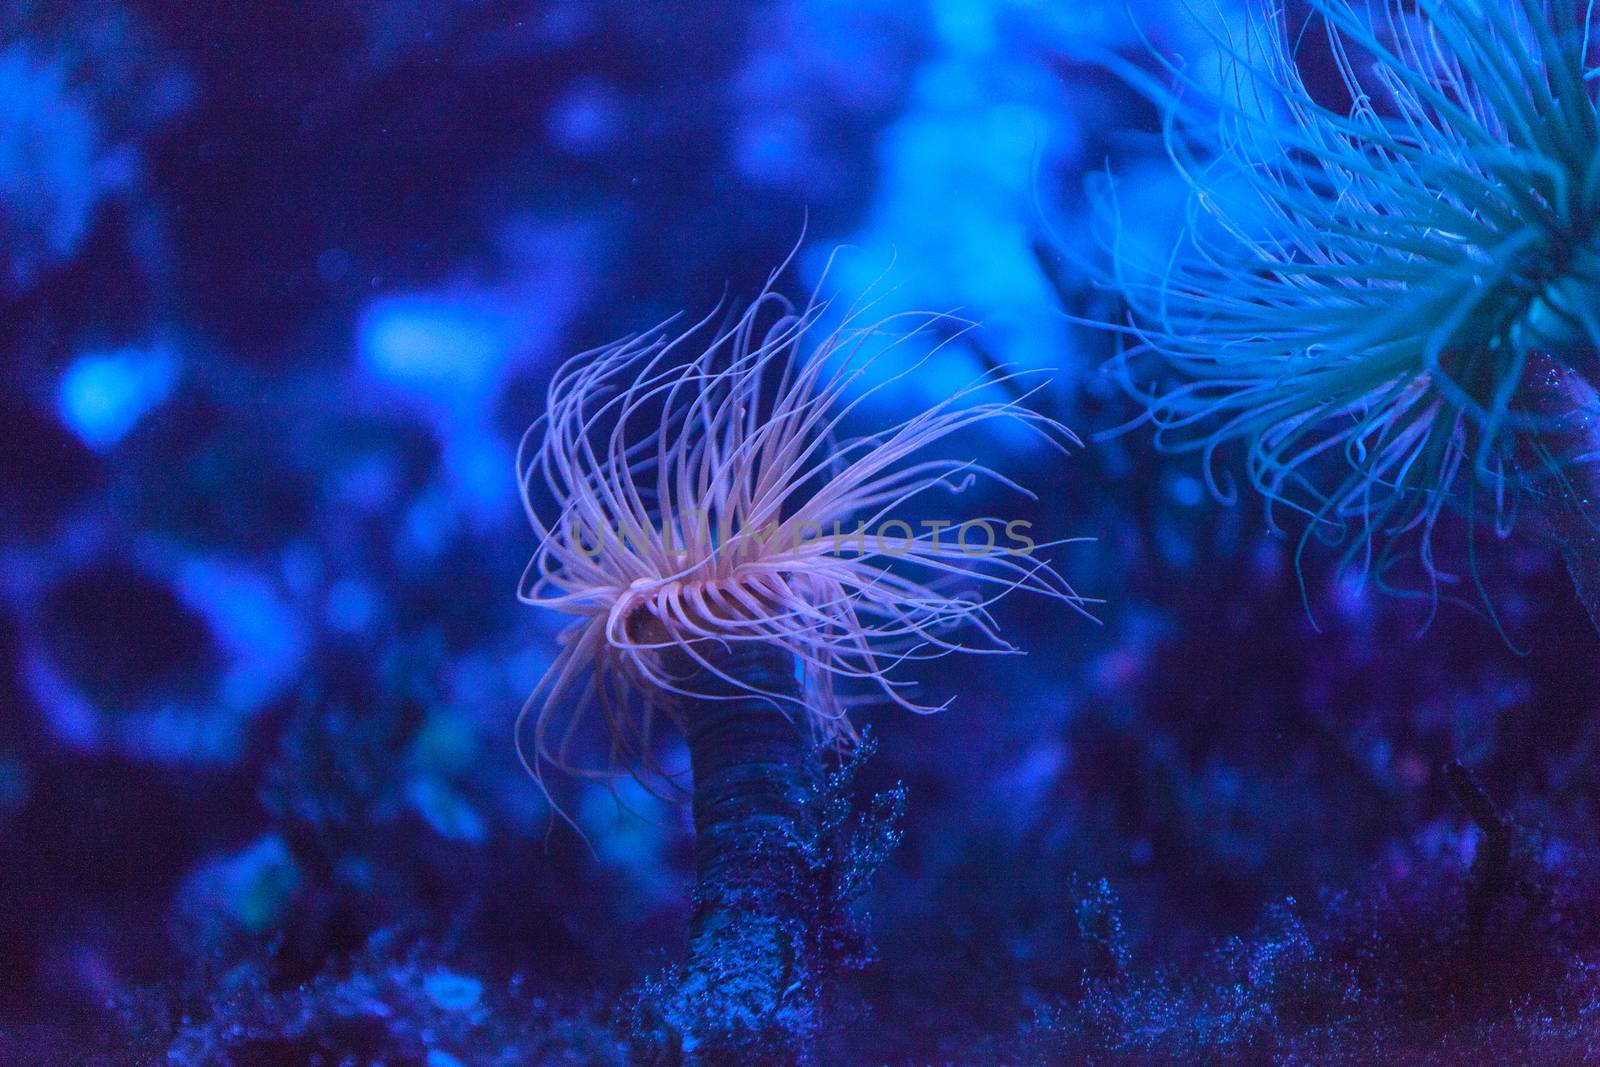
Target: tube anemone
1362,296
733,564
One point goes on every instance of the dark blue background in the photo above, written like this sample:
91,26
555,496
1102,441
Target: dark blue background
280,288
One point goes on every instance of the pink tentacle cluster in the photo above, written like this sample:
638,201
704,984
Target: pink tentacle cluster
691,488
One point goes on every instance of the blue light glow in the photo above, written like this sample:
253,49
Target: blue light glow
263,639
50,176
453,992
433,344
103,396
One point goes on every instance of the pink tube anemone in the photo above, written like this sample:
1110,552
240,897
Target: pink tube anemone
692,491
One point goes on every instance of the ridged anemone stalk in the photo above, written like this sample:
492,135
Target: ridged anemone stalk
1391,308
728,561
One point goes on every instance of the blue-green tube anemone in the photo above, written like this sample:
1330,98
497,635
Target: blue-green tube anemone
1365,293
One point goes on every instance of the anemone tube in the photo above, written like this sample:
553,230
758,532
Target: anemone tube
1571,444
751,989
1369,301
706,526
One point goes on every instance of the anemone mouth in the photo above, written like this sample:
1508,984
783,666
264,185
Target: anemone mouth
646,625
1559,319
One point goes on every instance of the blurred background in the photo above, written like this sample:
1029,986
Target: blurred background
282,285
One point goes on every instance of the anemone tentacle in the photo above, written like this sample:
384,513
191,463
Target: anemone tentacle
693,487
1358,293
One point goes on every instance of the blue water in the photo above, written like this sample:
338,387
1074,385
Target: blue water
283,285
